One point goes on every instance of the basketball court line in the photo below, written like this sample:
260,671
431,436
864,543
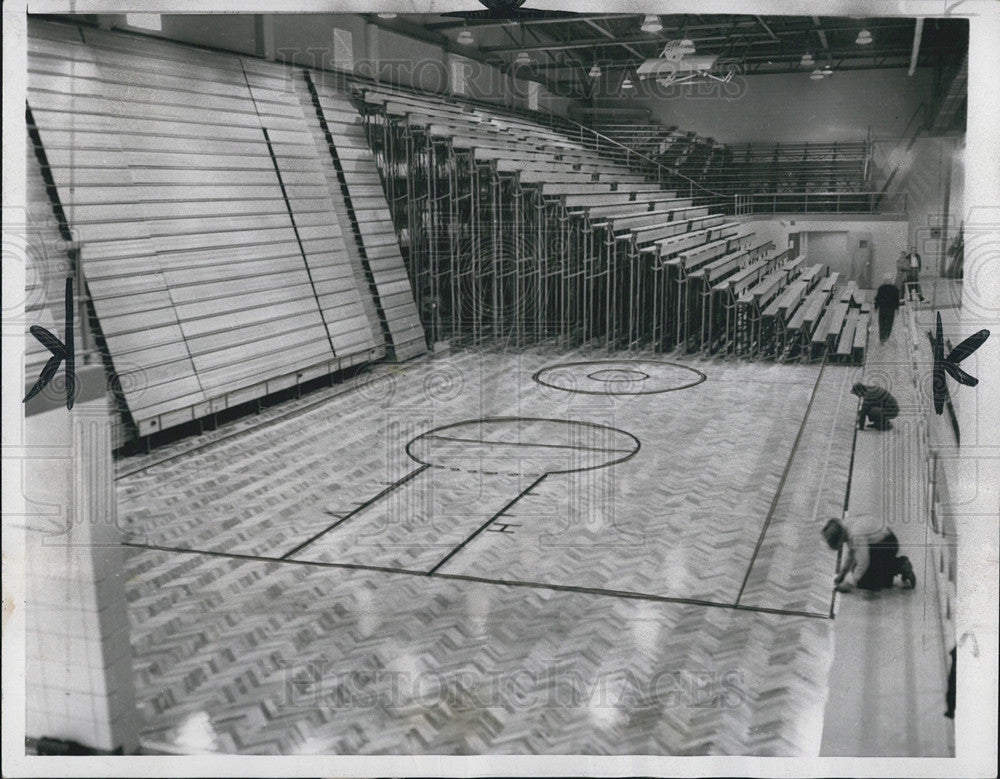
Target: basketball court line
488,522
265,423
620,594
781,482
847,500
541,374
412,474
522,443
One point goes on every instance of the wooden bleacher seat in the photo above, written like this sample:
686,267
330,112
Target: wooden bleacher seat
827,333
830,282
845,344
860,339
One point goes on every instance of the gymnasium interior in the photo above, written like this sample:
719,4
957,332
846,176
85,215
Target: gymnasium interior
478,382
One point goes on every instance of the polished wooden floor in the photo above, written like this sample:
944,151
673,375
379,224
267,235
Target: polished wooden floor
302,584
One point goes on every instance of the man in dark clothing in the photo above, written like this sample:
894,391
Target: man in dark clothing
877,405
886,301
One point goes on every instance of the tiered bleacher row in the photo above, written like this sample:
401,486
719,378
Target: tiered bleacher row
208,240
244,226
841,167
793,167
687,153
520,233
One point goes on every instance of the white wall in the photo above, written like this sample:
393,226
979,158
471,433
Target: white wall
888,237
307,40
789,107
933,197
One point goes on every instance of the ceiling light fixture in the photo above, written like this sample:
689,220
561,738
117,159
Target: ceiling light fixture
816,75
827,71
465,37
522,58
627,83
595,71
387,15
807,60
651,23
864,38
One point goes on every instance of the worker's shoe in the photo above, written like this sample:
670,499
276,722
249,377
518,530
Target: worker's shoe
906,571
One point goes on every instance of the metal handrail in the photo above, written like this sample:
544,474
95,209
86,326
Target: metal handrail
632,152
752,203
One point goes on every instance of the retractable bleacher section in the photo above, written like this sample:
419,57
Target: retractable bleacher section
835,167
244,226
792,167
687,153
520,233
207,238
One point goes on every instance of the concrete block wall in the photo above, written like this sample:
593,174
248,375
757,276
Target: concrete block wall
78,659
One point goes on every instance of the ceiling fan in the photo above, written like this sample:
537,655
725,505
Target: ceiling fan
509,10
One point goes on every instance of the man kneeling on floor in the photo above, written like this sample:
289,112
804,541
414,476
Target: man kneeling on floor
872,555
877,405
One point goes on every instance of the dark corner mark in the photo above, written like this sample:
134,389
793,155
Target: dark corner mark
60,351
949,364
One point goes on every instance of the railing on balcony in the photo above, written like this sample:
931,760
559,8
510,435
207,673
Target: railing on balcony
818,203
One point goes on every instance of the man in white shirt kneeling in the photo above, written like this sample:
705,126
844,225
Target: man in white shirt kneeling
872,560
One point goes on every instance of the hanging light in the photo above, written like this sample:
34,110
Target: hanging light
465,37
595,71
827,70
522,58
387,15
816,75
807,60
651,23
627,83
686,46
864,38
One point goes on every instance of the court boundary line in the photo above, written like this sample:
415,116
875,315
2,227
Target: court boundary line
352,383
357,510
781,482
847,500
487,523
583,590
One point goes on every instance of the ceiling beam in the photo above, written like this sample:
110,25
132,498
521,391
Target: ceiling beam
819,31
917,34
898,63
838,60
523,22
607,34
420,33
760,37
769,30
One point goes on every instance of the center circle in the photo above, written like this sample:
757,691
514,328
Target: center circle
618,374
514,446
619,377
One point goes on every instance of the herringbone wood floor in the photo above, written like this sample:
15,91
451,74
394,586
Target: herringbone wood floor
675,603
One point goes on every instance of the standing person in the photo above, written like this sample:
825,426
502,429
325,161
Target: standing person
886,301
877,405
913,266
902,273
873,560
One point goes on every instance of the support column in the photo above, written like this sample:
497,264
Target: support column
78,658
976,477
264,35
